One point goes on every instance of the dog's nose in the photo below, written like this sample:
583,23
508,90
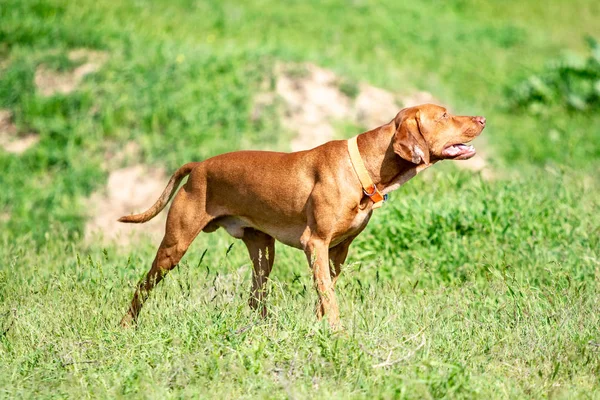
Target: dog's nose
480,120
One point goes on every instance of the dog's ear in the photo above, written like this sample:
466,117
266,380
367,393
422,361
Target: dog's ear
408,141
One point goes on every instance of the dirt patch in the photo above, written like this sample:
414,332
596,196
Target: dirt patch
129,190
117,155
10,138
314,100
374,106
49,82
7,127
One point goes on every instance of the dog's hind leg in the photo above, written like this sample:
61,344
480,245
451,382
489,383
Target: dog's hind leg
185,220
261,248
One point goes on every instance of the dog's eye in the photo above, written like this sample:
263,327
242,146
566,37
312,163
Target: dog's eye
445,115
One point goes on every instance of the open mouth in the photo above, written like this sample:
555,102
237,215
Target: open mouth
459,151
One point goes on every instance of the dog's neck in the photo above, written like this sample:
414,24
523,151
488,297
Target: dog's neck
387,170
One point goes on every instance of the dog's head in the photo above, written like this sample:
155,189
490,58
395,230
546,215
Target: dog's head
428,133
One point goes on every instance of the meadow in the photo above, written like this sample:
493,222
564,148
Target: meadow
462,286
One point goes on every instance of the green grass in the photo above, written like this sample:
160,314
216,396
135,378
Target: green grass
481,288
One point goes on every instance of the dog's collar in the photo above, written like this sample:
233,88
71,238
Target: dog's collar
369,187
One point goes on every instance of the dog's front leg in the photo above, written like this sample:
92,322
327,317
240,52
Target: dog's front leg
317,253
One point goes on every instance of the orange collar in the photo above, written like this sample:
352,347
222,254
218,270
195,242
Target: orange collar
369,187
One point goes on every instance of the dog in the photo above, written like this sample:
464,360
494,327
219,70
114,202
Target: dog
316,200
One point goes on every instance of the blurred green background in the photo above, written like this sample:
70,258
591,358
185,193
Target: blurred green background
498,272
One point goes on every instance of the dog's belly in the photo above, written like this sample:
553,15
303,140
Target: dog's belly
293,230
234,225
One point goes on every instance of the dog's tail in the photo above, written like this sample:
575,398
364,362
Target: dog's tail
164,198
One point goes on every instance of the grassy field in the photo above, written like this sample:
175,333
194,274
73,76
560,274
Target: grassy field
461,287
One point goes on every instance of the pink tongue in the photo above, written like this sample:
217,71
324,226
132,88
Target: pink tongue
456,149
453,150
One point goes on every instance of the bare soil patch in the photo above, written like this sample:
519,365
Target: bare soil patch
49,82
10,139
129,190
314,100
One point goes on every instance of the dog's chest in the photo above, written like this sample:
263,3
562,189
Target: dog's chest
353,225
361,219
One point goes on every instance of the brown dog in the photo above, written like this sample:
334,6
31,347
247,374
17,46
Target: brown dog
317,200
